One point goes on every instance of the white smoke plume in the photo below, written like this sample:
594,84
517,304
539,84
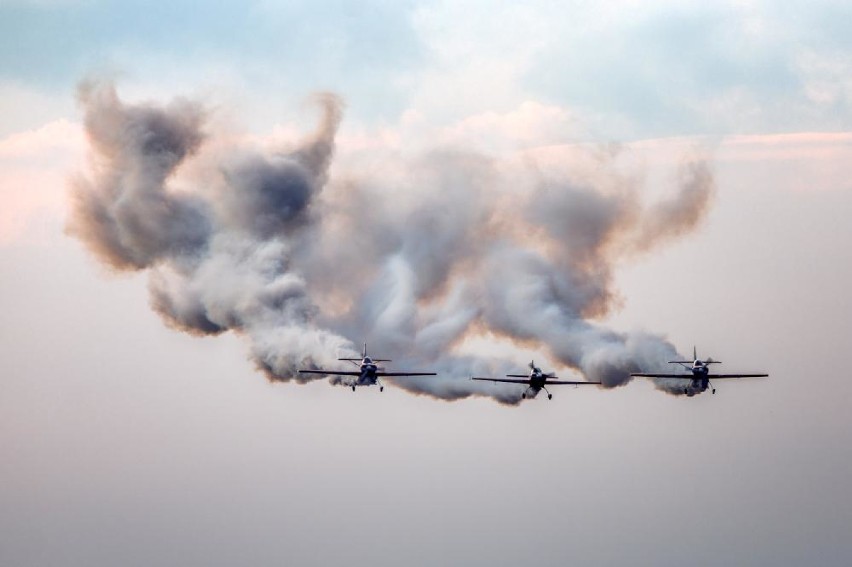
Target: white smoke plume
305,259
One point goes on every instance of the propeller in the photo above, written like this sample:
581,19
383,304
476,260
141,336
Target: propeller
533,367
708,360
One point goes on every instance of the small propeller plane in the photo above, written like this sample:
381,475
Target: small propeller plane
535,381
368,371
699,374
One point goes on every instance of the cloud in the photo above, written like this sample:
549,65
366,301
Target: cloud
33,165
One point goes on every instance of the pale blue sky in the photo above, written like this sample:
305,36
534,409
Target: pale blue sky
633,69
123,442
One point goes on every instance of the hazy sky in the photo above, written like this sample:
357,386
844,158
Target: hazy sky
124,442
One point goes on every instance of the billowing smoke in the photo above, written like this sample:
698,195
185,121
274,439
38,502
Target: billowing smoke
416,255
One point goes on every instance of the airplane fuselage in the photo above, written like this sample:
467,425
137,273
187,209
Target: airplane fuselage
700,380
368,375
537,381
699,368
698,385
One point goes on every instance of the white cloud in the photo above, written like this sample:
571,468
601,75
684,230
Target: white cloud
23,107
34,167
827,77
475,56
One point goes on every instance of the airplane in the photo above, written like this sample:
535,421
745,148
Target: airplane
535,381
699,374
368,371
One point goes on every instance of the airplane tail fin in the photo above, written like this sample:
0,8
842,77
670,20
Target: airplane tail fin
709,358
364,355
686,361
695,357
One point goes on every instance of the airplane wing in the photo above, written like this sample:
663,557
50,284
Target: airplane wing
527,381
406,374
503,380
645,375
331,372
718,376
527,376
690,377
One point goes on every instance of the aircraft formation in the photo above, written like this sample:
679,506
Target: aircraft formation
698,375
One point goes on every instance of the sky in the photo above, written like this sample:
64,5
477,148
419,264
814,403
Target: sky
124,440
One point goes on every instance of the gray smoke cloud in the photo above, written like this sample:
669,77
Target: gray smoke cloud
418,256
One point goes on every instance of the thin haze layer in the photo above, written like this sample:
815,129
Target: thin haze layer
418,255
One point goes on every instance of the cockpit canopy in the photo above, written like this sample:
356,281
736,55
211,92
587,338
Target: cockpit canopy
368,360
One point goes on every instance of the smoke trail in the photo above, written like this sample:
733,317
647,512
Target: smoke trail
125,215
219,258
419,256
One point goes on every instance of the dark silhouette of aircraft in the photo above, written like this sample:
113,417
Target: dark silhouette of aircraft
535,381
699,374
368,373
